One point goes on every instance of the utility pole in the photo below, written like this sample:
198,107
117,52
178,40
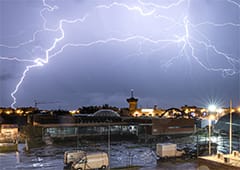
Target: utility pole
109,144
209,137
230,128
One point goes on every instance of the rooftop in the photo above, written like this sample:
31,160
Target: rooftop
106,113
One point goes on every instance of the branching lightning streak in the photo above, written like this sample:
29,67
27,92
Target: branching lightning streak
210,46
233,2
15,59
135,8
150,10
162,6
38,61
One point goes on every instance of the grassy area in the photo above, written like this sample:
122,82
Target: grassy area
8,148
137,146
133,147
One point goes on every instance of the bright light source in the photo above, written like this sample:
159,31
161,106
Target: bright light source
147,110
220,110
212,108
211,117
136,114
74,112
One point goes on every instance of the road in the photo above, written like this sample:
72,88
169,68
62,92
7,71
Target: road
122,154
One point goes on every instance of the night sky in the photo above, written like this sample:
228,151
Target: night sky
82,52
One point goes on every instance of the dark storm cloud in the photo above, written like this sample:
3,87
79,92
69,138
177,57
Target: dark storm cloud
93,72
5,76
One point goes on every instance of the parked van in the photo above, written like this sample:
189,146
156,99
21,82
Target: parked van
73,156
92,161
168,150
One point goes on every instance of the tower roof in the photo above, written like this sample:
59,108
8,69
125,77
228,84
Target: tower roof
132,99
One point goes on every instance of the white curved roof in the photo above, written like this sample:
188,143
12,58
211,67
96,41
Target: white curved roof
106,113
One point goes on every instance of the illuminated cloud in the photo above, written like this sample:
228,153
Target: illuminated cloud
163,49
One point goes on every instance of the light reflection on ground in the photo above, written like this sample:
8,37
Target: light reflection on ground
122,154
51,157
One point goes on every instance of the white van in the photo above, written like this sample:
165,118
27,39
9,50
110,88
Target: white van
72,156
92,161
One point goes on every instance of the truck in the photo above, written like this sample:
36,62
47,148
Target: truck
72,156
98,160
168,150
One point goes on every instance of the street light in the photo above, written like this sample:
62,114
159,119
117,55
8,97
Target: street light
109,143
238,109
210,118
211,108
230,128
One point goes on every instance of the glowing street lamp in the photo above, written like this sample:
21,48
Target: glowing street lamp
230,128
109,143
238,109
211,108
210,118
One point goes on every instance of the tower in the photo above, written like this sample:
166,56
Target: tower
132,103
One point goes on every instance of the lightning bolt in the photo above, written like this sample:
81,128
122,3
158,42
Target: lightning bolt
187,41
39,61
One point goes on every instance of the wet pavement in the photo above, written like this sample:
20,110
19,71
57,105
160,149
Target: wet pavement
122,154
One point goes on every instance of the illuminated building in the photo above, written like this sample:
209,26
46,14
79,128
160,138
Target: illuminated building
132,103
138,112
189,111
9,131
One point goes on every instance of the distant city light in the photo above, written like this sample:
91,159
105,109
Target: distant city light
212,108
147,110
74,112
211,117
193,114
136,114
220,110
